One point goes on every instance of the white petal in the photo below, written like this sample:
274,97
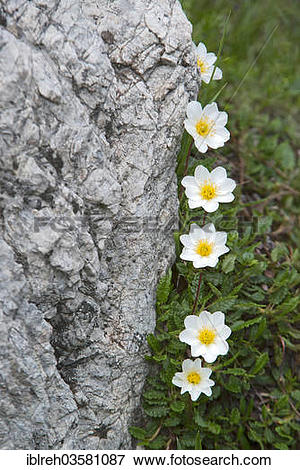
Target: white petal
186,241
226,197
210,356
190,128
197,364
211,110
222,132
209,228
221,250
205,318
187,365
218,319
225,331
195,393
202,262
211,205
215,141
192,322
201,50
212,261
189,181
226,186
205,373
197,235
196,349
185,388
194,111
218,74
188,255
223,348
194,228
192,192
211,58
188,337
220,238
178,379
218,175
206,77
207,391
201,144
194,203
201,174
222,119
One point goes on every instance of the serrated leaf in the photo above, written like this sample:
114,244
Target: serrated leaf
154,344
260,363
228,263
234,371
177,406
156,411
235,416
213,427
137,433
233,385
240,325
163,288
284,156
154,396
198,443
172,421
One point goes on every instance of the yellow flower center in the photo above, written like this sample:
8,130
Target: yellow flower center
204,126
194,378
204,248
201,65
208,190
207,336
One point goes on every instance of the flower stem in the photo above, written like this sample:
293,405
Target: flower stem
197,294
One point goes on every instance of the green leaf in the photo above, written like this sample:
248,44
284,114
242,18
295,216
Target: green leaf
177,406
264,224
213,427
163,288
235,416
240,325
228,263
198,443
137,433
154,396
233,385
260,363
234,371
156,412
285,156
172,421
154,344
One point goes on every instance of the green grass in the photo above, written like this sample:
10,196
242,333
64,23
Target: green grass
255,399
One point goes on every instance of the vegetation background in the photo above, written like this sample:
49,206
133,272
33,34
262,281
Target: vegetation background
255,402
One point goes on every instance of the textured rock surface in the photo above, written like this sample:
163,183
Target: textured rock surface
93,95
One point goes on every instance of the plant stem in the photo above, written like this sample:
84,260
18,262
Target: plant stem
197,294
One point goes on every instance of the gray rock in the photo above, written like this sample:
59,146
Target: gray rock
93,96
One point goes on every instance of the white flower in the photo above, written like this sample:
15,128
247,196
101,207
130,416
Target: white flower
194,379
205,63
206,189
203,246
206,126
206,335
